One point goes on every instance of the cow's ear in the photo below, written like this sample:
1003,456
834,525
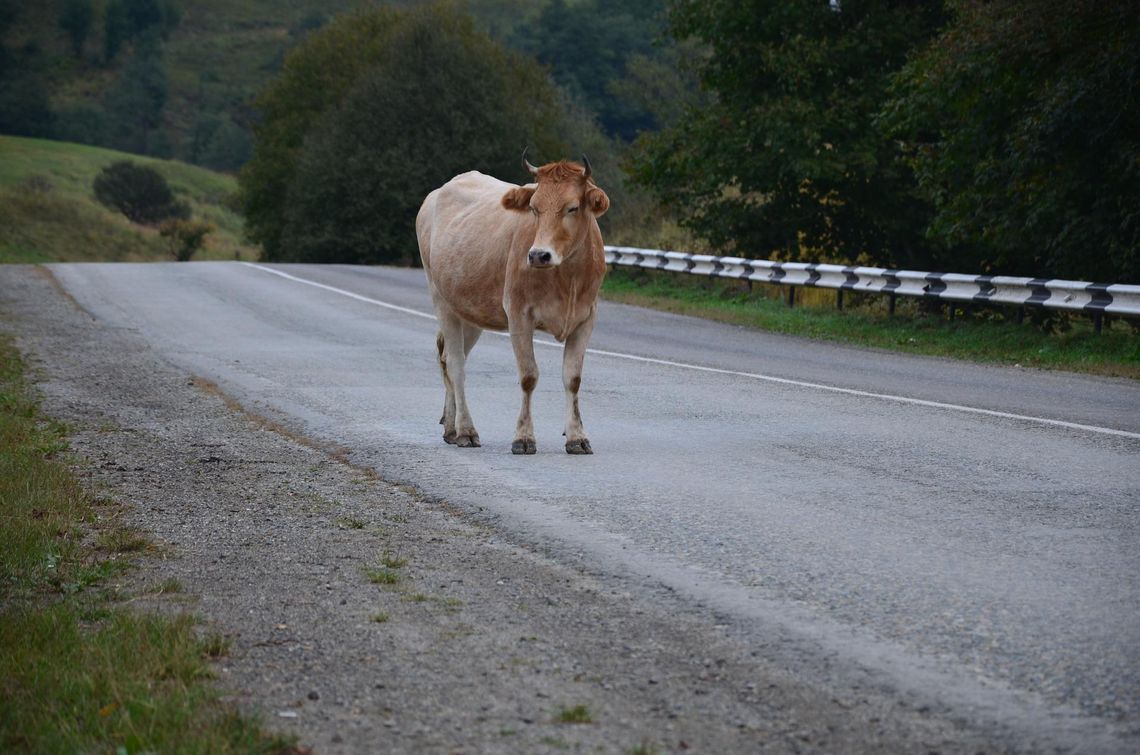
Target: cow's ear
518,198
597,201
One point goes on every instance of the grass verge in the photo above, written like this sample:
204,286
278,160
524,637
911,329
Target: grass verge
79,672
990,335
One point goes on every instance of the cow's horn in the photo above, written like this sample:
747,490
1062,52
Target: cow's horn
526,163
586,162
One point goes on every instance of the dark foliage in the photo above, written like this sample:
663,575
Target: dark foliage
75,18
1022,123
786,161
116,29
339,171
589,45
139,192
136,101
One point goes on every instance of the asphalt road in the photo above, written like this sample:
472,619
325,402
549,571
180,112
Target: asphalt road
962,536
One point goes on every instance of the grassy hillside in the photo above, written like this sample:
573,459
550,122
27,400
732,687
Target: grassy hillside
48,211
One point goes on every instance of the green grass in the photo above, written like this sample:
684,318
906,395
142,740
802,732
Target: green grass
988,336
350,523
48,211
393,562
379,576
123,540
578,714
79,672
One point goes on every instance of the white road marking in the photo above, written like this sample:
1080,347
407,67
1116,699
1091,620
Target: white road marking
738,373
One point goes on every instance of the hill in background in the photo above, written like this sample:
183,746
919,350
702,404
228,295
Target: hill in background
178,78
48,211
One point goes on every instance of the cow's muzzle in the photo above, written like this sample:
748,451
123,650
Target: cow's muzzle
540,258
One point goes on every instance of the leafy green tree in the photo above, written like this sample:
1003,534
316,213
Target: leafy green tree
75,18
139,192
588,46
142,15
24,107
228,147
116,29
1022,122
82,122
137,99
316,76
786,159
442,98
372,112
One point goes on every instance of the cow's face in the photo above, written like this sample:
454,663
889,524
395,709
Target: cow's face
563,203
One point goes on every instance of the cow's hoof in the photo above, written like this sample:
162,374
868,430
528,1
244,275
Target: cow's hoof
467,441
525,446
450,438
578,447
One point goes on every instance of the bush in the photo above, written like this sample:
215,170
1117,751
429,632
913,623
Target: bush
184,237
139,192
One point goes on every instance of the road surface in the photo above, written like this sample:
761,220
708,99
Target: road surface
966,536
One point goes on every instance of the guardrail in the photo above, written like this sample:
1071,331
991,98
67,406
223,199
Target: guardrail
1095,299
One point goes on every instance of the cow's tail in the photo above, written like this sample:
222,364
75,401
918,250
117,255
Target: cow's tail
442,364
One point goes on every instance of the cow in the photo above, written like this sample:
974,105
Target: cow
504,257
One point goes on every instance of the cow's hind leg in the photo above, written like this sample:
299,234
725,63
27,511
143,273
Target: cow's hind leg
572,357
447,419
454,343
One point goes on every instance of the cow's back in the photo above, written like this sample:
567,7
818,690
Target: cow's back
465,236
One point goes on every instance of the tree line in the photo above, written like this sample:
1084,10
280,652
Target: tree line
982,136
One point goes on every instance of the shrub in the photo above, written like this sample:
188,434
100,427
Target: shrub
139,192
184,237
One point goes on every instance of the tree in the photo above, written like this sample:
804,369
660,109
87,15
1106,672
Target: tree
786,160
315,78
81,122
440,99
137,99
75,19
1022,123
142,15
184,237
588,46
139,192
116,29
228,147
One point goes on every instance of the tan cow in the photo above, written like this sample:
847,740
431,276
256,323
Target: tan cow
515,258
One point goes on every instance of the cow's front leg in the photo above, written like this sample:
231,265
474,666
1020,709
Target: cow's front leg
572,358
522,339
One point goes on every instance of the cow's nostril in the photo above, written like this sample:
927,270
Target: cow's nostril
544,258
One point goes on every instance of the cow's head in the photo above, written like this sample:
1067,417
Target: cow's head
564,202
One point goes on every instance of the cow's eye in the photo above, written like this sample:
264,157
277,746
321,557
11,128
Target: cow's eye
571,210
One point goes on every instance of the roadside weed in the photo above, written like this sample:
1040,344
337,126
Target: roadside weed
578,714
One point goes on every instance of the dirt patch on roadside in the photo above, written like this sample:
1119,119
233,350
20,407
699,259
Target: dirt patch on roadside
364,617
